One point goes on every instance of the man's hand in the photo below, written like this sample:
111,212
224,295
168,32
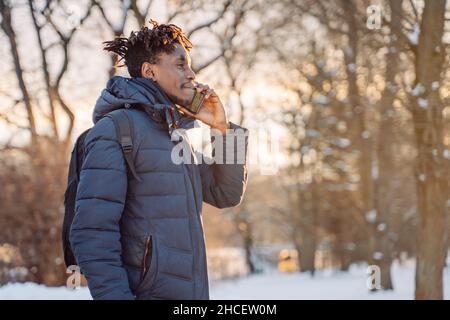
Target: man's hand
212,111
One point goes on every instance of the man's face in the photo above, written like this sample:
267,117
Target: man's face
174,74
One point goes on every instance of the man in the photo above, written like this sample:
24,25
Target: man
140,235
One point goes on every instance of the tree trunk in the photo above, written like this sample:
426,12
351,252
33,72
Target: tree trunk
308,241
362,141
307,254
386,278
386,151
431,175
340,250
248,245
245,232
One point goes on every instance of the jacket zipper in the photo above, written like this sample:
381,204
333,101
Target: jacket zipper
146,252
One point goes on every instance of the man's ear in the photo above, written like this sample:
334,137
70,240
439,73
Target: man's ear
147,71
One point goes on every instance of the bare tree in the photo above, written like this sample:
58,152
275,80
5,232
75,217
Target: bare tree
35,169
6,25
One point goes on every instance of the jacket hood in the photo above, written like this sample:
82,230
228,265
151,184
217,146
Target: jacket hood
120,91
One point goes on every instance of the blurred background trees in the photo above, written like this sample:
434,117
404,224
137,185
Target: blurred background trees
356,91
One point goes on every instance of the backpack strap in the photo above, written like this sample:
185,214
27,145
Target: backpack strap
124,129
77,160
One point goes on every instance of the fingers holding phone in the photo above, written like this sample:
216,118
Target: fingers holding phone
207,107
202,92
208,92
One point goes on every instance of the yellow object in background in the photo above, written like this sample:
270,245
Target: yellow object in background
288,260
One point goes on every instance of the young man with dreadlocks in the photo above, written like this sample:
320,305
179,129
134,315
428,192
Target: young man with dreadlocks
140,236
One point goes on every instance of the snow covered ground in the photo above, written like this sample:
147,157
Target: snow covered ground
326,284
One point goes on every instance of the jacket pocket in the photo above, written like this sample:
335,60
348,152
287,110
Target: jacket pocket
149,265
147,257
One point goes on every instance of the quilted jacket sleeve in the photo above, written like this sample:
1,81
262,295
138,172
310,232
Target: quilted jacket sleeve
224,181
95,232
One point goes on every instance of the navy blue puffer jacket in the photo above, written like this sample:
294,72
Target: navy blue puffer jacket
144,239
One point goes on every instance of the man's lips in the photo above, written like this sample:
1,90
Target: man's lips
189,86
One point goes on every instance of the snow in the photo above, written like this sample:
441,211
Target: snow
375,171
414,35
371,215
351,67
33,291
321,99
304,150
342,142
326,284
350,246
423,103
418,90
435,85
446,154
378,255
311,133
321,63
327,151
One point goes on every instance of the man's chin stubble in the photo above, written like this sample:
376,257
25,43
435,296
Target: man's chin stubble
179,101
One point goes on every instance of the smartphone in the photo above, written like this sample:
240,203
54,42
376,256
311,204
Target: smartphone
196,102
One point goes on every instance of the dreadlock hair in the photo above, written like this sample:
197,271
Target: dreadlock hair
146,45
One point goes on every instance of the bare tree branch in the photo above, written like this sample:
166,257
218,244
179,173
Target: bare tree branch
45,69
207,24
53,89
140,15
9,31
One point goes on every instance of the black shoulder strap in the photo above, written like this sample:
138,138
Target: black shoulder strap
77,160
124,129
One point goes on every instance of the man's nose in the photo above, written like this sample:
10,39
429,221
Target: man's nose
191,74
